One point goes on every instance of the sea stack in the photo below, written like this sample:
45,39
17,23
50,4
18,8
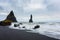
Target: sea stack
11,17
30,20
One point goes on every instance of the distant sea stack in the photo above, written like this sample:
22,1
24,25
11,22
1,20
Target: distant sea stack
30,20
11,17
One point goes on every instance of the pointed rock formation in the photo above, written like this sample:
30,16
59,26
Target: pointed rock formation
11,17
30,21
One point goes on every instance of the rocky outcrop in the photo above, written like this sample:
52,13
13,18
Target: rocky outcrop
37,26
16,25
23,27
11,17
21,23
30,21
5,23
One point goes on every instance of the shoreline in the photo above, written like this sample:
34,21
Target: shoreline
12,34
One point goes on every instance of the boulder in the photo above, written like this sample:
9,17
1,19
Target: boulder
21,23
16,25
37,26
23,27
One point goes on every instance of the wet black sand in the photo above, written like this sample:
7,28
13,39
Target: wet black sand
11,34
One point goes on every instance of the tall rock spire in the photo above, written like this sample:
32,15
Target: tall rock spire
31,19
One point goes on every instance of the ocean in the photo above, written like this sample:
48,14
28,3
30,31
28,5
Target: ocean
50,29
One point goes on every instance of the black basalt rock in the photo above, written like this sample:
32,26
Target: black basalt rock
37,26
16,25
11,17
21,23
30,20
23,27
2,23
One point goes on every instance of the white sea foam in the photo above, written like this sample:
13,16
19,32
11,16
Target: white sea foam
48,29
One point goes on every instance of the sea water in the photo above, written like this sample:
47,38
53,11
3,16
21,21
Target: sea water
51,29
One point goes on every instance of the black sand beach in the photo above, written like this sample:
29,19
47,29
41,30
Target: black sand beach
11,34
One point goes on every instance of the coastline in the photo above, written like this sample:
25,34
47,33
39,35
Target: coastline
12,34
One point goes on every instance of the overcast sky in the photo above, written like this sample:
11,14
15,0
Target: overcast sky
42,10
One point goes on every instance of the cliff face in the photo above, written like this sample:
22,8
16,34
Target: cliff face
11,17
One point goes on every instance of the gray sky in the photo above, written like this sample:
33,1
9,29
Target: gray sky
42,10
